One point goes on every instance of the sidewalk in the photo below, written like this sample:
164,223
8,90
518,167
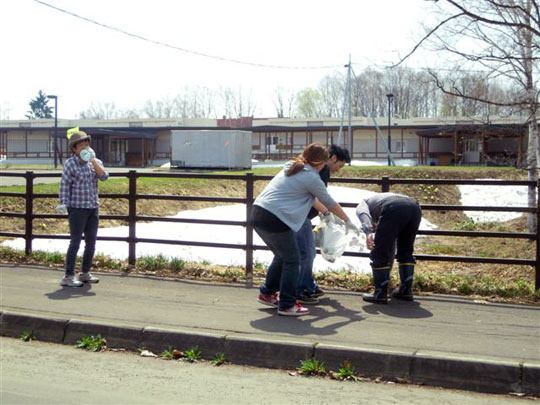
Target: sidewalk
442,341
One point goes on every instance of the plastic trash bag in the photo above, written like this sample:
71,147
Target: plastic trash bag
332,238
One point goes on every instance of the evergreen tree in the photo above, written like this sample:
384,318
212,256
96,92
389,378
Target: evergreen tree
39,107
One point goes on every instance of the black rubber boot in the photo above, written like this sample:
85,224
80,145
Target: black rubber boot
405,290
381,277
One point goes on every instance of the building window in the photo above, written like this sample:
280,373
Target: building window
471,145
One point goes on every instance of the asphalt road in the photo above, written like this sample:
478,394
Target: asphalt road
432,324
44,373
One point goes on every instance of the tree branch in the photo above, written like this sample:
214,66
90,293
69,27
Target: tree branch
426,37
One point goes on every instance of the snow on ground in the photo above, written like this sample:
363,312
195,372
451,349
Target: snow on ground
471,195
493,196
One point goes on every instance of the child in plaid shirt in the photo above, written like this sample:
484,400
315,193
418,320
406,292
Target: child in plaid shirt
79,199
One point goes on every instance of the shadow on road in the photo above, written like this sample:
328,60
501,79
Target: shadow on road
64,293
401,309
307,325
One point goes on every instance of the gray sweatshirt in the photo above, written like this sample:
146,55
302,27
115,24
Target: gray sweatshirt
369,210
290,197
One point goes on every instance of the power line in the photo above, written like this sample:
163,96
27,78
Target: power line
177,48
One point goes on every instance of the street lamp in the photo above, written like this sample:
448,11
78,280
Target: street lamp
389,96
55,127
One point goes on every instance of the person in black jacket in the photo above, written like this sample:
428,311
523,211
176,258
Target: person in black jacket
388,220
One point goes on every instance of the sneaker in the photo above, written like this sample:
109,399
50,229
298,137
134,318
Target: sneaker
307,299
268,299
88,278
296,310
69,281
317,293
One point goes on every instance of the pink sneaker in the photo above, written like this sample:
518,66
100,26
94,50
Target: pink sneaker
269,299
296,310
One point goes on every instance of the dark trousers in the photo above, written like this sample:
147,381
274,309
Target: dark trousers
398,224
282,274
82,221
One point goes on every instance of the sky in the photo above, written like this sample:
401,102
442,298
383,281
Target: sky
470,195
84,63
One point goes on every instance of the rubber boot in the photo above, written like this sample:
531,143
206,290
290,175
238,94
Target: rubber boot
381,277
406,275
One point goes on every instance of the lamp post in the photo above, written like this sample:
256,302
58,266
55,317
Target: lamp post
389,96
55,128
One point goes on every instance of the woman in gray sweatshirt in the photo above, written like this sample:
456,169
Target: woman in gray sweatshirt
279,212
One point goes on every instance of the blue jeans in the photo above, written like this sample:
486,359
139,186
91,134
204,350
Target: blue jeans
282,274
81,221
306,246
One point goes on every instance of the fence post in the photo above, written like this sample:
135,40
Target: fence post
249,229
537,272
132,178
29,176
385,185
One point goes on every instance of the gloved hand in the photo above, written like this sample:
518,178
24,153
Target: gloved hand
61,209
351,226
93,153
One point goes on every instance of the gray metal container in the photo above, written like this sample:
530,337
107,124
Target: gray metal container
211,149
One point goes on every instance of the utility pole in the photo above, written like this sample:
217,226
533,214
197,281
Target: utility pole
346,101
389,96
55,129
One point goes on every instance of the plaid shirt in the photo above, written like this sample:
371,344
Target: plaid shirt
78,188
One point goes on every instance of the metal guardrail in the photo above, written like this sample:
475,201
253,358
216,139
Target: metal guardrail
385,182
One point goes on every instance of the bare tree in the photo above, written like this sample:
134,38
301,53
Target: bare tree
100,111
501,40
332,91
235,104
163,108
284,102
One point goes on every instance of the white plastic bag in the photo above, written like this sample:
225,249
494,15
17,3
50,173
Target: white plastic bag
332,238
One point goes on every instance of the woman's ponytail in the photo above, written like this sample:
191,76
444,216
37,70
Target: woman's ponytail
314,154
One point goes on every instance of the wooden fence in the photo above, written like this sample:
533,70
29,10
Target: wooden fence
249,179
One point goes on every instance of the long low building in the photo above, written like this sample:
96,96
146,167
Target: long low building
144,142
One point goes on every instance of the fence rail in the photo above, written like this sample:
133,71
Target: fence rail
249,179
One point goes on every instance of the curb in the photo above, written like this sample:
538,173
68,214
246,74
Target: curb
429,368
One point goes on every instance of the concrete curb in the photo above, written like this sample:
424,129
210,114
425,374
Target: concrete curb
429,368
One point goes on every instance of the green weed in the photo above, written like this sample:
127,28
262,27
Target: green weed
346,372
258,265
193,355
152,262
219,359
171,353
468,225
177,264
312,367
92,343
27,336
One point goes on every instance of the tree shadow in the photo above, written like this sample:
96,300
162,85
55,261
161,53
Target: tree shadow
399,309
64,293
306,325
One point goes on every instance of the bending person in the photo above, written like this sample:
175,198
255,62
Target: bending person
389,219
279,212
